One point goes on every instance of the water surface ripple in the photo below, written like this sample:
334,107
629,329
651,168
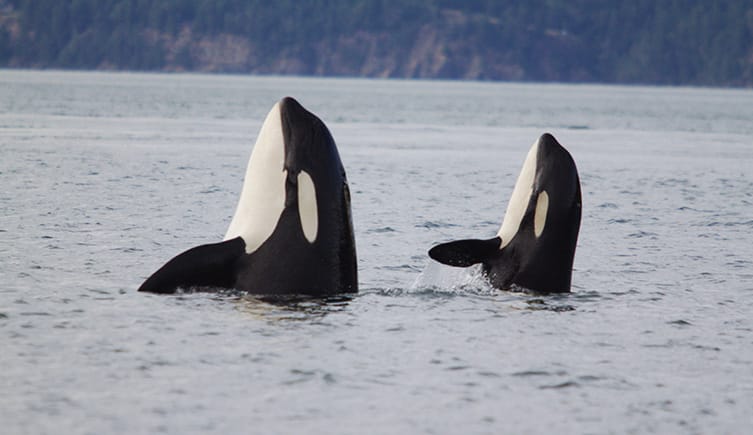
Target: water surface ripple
106,176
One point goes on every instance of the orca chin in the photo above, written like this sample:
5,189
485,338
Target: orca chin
292,232
535,246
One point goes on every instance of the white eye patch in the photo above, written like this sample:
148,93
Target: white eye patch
307,207
539,219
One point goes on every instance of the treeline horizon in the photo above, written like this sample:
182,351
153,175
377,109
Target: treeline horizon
672,42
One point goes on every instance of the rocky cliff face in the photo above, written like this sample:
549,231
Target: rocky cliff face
437,50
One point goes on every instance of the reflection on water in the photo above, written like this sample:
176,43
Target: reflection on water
290,308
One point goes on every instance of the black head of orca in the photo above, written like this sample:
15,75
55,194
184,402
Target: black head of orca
292,231
535,246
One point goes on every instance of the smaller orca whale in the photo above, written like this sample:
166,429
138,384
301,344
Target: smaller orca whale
292,232
535,245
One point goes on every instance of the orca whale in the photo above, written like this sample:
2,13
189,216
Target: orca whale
535,246
292,232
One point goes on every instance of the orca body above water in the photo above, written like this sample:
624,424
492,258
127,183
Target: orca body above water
292,232
535,246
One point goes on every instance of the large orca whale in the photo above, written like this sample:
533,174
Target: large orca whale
292,231
535,246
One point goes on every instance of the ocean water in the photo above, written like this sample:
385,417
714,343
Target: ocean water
105,176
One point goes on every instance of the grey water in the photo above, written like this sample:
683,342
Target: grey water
105,176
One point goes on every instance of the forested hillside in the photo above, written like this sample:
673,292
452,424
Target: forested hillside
692,42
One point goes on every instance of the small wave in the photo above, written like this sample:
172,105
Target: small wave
539,304
431,224
672,182
302,376
679,322
748,223
703,347
577,382
619,221
699,210
36,313
566,384
399,267
642,234
531,373
211,189
586,296
380,230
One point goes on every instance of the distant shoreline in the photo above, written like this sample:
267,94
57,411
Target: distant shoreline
397,79
697,44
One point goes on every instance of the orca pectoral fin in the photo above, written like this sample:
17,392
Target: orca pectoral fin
203,266
465,253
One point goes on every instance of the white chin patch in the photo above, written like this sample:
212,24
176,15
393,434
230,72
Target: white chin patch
521,195
307,208
539,219
263,196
